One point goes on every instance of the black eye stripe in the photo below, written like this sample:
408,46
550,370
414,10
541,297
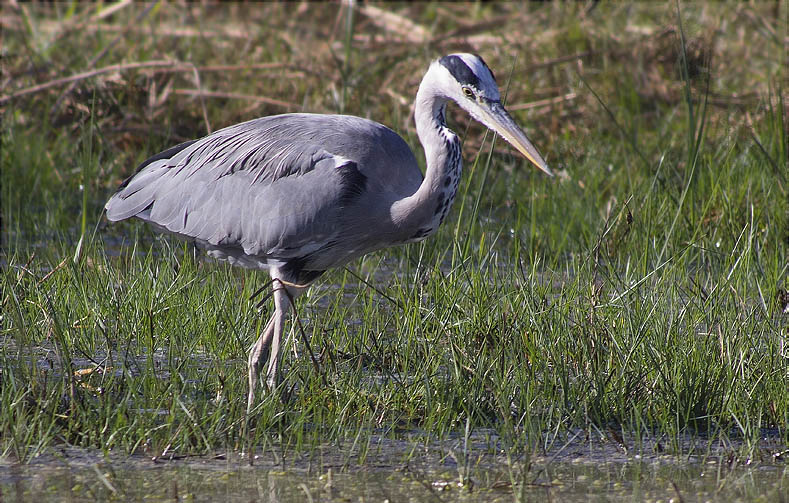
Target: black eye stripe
486,66
460,70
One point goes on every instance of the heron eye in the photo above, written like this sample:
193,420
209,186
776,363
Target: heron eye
468,92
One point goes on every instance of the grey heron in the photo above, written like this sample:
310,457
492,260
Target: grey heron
298,194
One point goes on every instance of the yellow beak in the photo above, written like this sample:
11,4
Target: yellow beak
496,117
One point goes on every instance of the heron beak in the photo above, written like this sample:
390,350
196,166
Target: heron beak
496,117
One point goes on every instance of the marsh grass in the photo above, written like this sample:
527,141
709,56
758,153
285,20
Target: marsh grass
632,297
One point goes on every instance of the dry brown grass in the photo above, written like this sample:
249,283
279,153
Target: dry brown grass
174,71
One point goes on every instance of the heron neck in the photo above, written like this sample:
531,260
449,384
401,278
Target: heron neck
426,209
441,144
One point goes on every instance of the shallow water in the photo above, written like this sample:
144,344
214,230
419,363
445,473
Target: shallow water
399,470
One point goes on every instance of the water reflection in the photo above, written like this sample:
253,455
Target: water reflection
78,475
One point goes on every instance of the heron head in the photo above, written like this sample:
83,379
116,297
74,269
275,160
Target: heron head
470,83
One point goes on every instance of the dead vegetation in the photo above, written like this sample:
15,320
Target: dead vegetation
174,71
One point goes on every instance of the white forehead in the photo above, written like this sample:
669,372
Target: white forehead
486,80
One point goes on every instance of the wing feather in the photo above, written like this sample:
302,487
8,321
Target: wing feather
273,187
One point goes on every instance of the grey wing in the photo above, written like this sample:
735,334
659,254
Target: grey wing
265,189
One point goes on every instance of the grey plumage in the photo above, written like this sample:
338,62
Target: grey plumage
298,194
240,191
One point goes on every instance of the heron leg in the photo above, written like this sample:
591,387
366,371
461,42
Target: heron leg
281,306
268,344
257,354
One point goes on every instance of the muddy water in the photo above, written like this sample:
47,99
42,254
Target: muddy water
401,470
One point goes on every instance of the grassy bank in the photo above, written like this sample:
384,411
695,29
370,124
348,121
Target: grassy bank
637,294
